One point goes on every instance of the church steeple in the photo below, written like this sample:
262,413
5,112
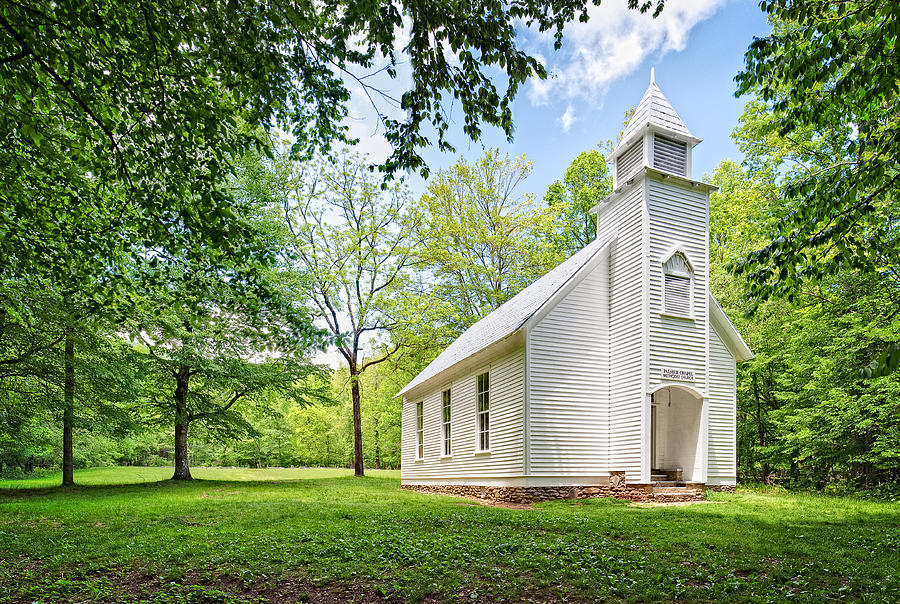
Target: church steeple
655,137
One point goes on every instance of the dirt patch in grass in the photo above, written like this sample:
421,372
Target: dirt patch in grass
108,585
111,585
291,590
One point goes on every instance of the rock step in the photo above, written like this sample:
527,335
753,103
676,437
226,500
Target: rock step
673,489
657,477
677,497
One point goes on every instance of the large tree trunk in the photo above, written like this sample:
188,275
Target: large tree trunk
761,429
68,462
358,466
377,448
182,422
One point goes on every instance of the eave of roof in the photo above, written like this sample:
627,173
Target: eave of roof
728,332
653,173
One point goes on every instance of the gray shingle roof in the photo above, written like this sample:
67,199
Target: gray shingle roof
508,318
655,109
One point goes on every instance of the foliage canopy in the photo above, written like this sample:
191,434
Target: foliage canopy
829,72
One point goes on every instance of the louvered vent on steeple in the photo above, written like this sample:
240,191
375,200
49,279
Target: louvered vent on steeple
655,137
670,155
629,162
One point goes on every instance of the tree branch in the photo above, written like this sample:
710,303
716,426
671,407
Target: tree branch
388,355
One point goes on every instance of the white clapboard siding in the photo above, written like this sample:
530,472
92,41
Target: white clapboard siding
678,220
507,403
568,368
722,465
626,377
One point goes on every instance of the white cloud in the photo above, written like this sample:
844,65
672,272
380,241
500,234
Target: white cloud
567,119
613,43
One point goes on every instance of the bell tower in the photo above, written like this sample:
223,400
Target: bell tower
654,138
658,293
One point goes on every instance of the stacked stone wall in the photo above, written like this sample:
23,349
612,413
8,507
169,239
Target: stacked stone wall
617,489
720,488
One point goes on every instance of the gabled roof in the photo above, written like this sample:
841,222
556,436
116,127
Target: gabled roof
510,317
728,332
653,110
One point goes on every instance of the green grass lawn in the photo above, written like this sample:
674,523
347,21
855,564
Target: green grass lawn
285,535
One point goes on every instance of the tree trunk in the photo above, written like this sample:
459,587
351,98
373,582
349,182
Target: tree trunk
358,466
377,449
327,451
761,430
68,462
182,423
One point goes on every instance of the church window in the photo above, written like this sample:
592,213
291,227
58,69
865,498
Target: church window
678,286
483,393
420,431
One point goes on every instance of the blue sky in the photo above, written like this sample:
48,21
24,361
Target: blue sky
696,47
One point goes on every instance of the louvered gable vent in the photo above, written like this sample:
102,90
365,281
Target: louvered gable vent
629,162
669,155
678,295
678,277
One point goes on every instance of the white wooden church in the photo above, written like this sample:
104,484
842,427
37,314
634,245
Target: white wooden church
613,374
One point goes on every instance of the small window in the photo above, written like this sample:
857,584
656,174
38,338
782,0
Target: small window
484,412
420,431
678,286
445,418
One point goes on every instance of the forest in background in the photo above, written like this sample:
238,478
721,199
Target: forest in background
170,311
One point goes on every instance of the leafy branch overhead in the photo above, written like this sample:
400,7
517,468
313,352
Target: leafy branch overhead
128,114
829,73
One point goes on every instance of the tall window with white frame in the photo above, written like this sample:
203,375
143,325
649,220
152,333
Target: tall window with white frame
445,424
420,431
484,411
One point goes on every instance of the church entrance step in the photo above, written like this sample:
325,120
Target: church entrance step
670,491
675,474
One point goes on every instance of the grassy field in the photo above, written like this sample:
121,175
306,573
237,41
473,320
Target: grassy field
239,535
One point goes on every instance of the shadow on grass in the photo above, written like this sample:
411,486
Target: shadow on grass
14,492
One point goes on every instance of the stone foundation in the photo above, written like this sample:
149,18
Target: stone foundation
616,488
720,488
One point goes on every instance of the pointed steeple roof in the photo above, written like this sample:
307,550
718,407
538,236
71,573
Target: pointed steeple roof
654,110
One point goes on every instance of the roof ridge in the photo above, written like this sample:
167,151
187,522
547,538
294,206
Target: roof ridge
509,317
